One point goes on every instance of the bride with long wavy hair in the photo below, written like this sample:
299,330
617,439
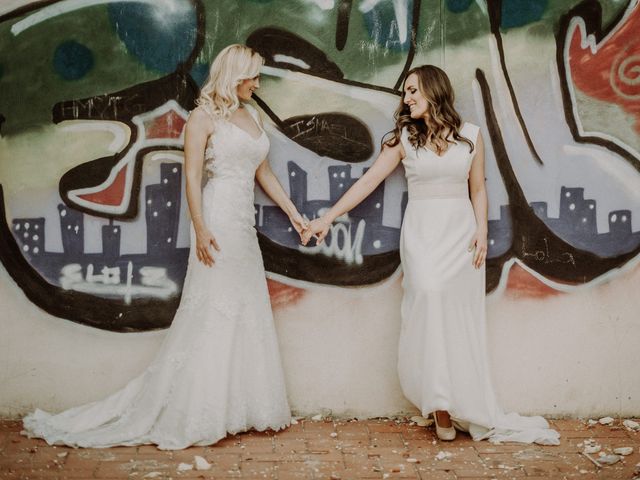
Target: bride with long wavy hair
442,353
441,126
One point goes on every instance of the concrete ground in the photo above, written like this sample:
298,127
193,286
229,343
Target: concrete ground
334,449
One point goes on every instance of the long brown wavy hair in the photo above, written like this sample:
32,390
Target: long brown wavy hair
442,117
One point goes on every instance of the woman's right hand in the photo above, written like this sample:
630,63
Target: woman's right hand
317,228
204,240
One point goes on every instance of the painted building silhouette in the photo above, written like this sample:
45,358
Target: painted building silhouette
162,212
72,230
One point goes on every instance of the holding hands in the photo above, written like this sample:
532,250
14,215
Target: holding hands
318,228
299,223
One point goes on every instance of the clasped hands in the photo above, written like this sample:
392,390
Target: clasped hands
318,228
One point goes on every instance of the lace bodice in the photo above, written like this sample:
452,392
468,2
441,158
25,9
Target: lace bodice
232,153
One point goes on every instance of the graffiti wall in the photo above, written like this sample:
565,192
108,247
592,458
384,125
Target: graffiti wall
95,95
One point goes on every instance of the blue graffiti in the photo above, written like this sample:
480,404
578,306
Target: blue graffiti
159,44
382,26
516,13
458,6
72,60
199,72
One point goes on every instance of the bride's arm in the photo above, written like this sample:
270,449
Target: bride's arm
272,187
196,133
478,195
386,162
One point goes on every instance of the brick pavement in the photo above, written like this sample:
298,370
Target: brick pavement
339,449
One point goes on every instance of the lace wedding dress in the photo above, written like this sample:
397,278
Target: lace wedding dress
442,359
218,370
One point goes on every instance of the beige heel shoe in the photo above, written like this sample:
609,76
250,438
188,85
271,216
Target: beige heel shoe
446,434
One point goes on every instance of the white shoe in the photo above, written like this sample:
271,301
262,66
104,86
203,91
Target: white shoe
446,434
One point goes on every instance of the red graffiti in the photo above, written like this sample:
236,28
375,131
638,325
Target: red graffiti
283,295
521,284
610,69
112,194
168,125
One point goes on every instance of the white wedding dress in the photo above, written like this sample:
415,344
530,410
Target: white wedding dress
443,358
218,370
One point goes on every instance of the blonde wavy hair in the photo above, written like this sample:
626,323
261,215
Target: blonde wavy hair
435,86
231,66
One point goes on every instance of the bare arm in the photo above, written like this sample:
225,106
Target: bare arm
197,132
478,194
386,162
272,187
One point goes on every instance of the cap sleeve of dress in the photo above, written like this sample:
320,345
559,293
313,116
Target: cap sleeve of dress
404,139
470,131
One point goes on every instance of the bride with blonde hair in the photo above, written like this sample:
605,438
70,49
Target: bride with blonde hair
218,369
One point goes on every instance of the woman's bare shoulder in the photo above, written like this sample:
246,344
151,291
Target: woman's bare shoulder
200,113
396,150
200,119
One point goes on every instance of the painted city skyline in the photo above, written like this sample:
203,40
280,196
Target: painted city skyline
160,269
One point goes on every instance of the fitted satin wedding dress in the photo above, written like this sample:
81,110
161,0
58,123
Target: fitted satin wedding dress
218,370
442,359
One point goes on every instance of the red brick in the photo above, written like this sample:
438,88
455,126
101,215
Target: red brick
381,426
354,472
488,473
360,450
272,457
379,439
294,475
486,447
428,474
289,445
352,428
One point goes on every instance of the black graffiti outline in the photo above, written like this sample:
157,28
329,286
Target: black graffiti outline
527,225
78,307
494,8
412,45
342,23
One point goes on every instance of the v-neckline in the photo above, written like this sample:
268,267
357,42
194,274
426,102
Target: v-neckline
438,156
255,139
451,145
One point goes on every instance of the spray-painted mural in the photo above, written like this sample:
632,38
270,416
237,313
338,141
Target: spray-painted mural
95,95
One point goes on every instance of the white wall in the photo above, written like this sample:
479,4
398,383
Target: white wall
573,354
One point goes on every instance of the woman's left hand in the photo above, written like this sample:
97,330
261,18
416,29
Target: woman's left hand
479,244
298,222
